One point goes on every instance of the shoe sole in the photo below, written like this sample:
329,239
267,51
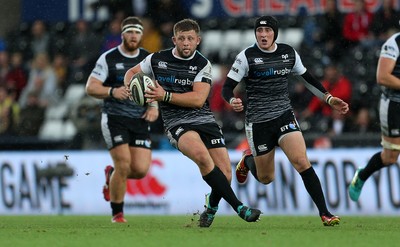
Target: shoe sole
335,220
332,223
255,216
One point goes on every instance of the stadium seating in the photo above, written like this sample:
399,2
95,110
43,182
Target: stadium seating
57,129
224,45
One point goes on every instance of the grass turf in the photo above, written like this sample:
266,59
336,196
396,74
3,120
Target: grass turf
182,231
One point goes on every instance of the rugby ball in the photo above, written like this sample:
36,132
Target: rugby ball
138,85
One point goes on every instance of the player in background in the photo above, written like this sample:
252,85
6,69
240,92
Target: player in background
270,121
183,82
388,78
125,125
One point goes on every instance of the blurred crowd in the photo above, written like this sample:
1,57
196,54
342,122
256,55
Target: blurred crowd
40,61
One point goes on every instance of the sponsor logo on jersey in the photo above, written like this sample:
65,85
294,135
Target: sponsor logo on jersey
258,60
119,66
145,143
389,51
192,69
207,75
389,48
118,138
291,126
236,70
395,132
99,66
173,79
285,58
238,61
271,72
162,65
217,141
262,147
96,73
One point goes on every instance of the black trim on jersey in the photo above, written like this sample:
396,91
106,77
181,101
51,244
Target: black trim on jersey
227,89
313,81
313,85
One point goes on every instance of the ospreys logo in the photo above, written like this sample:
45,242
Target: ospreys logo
285,58
192,69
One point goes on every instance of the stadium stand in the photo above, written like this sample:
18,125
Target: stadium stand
221,40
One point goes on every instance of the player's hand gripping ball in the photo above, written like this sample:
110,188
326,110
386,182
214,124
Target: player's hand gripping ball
138,85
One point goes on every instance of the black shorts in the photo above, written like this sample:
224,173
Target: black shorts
211,134
119,130
263,137
389,117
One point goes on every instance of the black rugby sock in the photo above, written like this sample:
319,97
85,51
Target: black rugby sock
220,185
214,199
117,207
249,162
373,165
314,189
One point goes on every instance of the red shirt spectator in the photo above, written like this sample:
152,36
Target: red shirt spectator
17,77
217,104
337,84
356,24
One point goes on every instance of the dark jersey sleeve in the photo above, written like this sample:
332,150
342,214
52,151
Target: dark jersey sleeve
313,85
227,90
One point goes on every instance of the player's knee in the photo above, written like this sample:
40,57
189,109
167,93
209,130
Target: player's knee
266,179
389,160
138,174
301,164
227,171
202,159
389,157
138,171
122,170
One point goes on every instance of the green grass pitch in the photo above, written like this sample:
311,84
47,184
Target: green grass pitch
182,231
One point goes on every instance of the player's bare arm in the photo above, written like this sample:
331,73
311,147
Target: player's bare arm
384,74
193,99
237,104
95,88
336,103
318,90
129,74
151,114
228,95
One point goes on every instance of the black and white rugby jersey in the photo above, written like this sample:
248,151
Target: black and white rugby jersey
110,69
265,76
390,49
177,75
